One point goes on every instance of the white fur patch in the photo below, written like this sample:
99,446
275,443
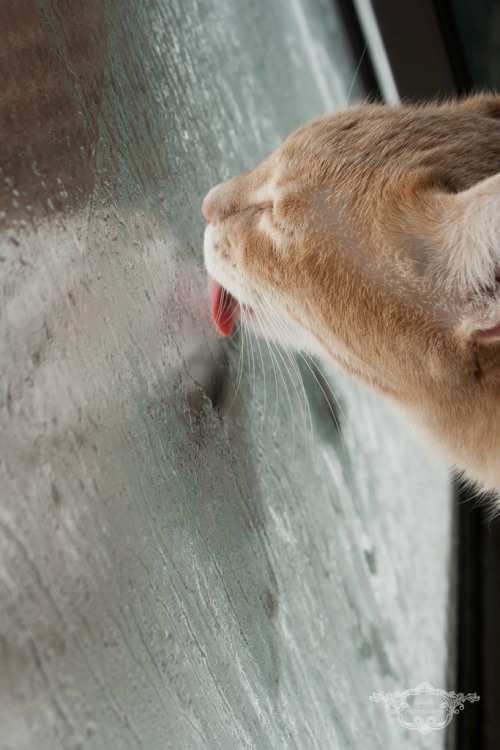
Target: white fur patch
468,235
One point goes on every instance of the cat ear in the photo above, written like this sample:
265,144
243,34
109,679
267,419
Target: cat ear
464,233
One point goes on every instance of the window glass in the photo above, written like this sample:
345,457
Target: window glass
194,552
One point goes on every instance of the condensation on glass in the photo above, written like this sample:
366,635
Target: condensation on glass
193,553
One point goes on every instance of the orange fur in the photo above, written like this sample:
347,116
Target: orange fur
374,234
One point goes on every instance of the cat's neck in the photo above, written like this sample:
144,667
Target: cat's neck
447,385
462,414
466,419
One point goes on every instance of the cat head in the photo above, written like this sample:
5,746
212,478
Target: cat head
372,235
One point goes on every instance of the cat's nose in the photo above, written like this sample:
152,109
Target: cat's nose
224,199
208,205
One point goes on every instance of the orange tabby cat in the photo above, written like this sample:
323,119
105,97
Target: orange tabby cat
373,236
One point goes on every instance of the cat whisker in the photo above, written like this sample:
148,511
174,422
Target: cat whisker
290,353
355,75
306,412
274,363
241,349
305,357
312,365
261,321
263,373
302,396
254,386
337,402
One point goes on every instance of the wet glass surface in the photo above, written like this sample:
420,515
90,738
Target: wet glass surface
186,561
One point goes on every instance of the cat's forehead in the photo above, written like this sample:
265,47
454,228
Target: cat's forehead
367,141
371,122
354,136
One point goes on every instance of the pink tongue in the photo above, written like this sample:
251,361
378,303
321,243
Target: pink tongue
223,307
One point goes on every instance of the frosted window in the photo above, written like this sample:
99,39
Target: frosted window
184,563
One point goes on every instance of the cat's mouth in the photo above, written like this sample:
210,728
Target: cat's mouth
223,307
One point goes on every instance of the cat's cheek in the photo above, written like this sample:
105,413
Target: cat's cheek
257,259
